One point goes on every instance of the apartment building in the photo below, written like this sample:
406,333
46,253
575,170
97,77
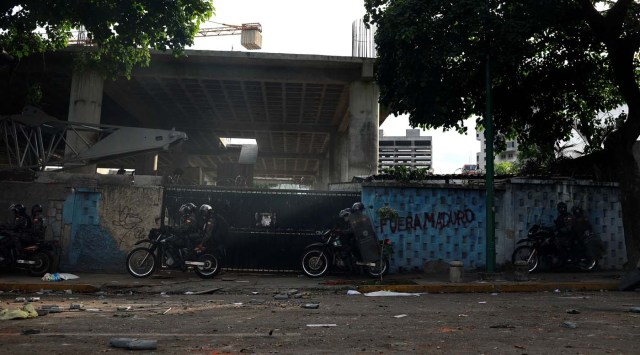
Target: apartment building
509,155
411,150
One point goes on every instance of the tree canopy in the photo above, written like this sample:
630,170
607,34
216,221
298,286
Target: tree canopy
121,32
556,65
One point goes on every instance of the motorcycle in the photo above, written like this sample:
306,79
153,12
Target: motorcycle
333,253
543,249
36,257
167,250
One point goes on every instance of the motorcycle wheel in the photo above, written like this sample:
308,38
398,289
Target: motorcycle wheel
42,264
315,263
381,268
525,253
211,266
141,262
587,264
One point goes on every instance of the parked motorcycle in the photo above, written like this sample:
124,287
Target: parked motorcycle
335,253
36,257
168,250
542,248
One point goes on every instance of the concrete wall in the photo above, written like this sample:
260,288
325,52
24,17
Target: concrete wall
97,218
447,222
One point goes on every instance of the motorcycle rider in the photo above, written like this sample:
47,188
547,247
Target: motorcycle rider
21,225
38,222
187,230
344,229
214,228
564,228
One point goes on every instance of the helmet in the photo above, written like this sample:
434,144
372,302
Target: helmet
187,209
36,209
18,209
205,211
358,206
562,207
344,213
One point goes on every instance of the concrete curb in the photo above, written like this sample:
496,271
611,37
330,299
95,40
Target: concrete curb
424,288
37,287
494,287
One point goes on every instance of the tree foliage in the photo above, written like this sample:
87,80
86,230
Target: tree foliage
555,66
121,32
550,70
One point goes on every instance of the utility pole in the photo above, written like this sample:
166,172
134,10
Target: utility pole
488,138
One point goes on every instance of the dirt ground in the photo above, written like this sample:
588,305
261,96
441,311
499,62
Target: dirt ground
257,322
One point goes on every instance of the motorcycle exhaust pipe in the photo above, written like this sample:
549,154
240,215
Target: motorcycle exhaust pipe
194,263
365,264
30,262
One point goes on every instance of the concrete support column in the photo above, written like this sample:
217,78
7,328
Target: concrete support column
322,182
338,162
363,128
147,164
85,105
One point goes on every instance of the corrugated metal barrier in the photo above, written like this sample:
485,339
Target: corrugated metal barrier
268,229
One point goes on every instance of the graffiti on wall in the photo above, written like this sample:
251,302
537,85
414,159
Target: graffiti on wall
428,220
130,222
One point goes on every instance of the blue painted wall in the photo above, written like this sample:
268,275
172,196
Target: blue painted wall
447,222
88,246
434,224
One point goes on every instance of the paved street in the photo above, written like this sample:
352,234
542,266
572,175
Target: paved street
238,314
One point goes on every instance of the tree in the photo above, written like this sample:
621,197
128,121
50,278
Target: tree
556,65
121,32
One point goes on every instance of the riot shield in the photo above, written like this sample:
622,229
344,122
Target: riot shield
365,236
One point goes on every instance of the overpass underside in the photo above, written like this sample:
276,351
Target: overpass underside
314,118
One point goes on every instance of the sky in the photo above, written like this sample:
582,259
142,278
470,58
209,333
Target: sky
324,28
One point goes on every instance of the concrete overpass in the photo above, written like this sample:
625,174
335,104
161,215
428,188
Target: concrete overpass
314,117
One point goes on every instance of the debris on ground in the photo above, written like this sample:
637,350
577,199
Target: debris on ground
400,316
311,305
390,294
322,325
570,325
24,312
59,277
134,343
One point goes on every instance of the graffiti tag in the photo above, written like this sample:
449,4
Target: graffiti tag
129,221
439,220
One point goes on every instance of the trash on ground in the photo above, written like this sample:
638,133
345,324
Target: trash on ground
482,302
30,331
24,312
204,292
463,315
92,310
634,309
322,325
167,311
389,294
557,290
353,292
33,299
124,308
20,299
400,316
134,343
573,311
502,326
59,277
570,325
311,305
255,293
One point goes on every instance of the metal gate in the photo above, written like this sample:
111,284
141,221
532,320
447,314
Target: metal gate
268,229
